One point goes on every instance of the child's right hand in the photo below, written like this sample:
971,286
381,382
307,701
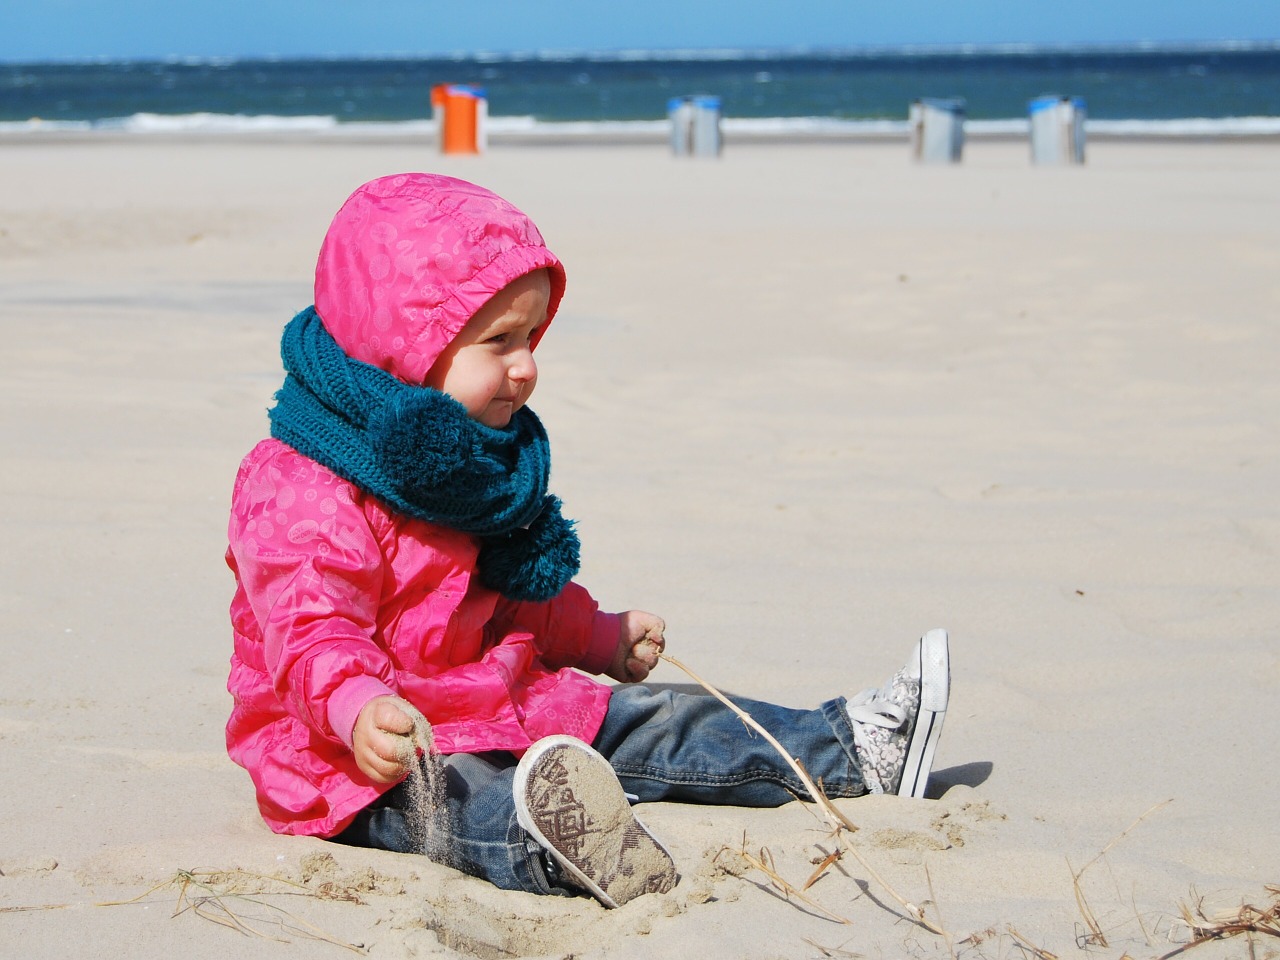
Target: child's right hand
383,738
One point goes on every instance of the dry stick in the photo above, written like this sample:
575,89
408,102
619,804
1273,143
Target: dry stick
835,818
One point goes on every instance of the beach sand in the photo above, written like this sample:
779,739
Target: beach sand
807,401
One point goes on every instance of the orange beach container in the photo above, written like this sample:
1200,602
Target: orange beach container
460,112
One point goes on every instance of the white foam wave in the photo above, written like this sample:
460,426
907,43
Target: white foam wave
220,123
1189,127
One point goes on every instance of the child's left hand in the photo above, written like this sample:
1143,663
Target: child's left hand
640,641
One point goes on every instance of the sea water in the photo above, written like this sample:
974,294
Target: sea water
1227,89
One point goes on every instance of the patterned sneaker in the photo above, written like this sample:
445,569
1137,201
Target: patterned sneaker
569,800
896,728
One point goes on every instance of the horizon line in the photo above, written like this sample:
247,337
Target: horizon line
693,53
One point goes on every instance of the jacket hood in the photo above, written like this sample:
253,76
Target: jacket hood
409,259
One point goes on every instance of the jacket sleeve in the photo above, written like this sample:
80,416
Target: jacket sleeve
308,561
570,630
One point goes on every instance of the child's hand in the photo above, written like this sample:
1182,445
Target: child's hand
639,643
383,738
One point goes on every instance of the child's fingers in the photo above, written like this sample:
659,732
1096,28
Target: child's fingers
391,718
377,759
383,741
644,657
646,651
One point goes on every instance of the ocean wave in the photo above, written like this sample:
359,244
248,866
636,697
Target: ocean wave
530,128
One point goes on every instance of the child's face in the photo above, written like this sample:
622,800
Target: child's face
488,367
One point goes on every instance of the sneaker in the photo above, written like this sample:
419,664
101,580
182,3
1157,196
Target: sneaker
896,728
570,801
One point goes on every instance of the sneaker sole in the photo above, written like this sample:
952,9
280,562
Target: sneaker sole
569,800
935,689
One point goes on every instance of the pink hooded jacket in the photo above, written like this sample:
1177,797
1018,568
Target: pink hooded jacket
338,599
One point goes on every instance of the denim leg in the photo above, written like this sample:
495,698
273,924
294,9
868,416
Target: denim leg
481,838
673,746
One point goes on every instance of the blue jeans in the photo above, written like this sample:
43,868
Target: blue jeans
662,745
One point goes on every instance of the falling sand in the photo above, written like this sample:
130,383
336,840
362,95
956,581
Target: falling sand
428,813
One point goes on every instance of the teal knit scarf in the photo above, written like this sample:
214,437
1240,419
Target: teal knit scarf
419,451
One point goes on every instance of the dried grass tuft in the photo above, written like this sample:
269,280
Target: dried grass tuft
1095,936
1247,921
764,863
234,899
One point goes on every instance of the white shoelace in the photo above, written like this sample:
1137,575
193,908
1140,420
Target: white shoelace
869,706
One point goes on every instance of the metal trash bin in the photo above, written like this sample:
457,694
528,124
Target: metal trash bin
937,130
695,126
1057,129
460,113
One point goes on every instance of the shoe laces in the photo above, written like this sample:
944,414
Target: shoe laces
871,706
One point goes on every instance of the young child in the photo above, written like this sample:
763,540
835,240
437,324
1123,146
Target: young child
396,551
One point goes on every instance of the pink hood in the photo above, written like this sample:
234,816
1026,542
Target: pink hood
410,258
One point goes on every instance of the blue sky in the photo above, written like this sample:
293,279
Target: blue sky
61,29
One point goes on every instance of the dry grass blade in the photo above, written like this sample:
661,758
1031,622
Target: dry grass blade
764,863
822,868
1137,915
933,898
837,820
829,951
916,913
1026,944
176,878
1095,935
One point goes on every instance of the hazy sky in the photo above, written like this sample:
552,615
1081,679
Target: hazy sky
60,29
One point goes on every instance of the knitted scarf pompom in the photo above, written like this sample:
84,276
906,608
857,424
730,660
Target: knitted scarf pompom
396,430
534,557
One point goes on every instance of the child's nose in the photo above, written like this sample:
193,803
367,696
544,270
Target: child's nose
522,368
